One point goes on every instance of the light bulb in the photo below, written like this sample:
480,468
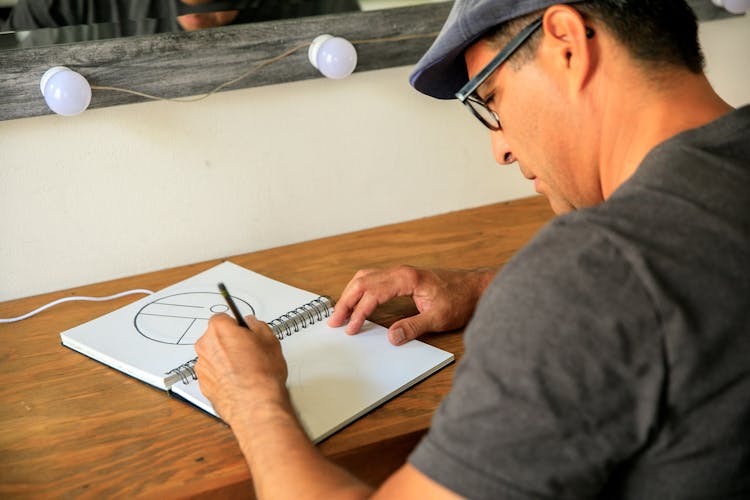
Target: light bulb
334,57
737,6
67,93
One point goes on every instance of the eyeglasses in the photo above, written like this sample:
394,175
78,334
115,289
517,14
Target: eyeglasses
468,93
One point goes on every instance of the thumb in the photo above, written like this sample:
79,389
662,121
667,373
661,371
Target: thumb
407,329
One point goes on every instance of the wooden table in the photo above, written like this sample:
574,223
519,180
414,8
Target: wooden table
70,426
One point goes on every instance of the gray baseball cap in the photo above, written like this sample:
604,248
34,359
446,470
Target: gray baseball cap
442,72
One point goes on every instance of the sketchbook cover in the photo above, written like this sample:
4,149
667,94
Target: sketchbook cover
333,379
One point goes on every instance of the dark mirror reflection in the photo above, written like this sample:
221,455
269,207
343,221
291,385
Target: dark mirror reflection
40,22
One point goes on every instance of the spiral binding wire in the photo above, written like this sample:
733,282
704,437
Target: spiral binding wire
301,317
185,372
283,326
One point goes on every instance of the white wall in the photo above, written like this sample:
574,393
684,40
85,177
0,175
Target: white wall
125,190
130,189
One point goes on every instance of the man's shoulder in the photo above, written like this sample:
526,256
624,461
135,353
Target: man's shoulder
708,167
575,244
576,271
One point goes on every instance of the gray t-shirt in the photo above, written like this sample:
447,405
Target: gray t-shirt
611,357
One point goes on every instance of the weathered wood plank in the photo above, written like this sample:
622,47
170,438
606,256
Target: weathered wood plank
192,63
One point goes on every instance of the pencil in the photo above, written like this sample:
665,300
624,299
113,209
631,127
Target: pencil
232,306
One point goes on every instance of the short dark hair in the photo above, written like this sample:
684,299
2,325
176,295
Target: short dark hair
658,33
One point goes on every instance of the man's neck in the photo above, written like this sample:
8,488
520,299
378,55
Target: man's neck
637,119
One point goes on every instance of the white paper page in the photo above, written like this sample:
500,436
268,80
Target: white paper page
191,392
155,334
335,378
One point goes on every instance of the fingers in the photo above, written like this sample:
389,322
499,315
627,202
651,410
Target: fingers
236,365
349,299
344,307
224,336
407,329
361,311
259,327
217,323
366,291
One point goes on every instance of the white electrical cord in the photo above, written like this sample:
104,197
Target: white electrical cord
69,299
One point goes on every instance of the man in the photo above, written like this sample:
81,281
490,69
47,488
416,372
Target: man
611,357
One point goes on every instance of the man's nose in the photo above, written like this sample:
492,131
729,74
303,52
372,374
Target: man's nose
503,154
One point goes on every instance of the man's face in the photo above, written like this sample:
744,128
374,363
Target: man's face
202,20
538,128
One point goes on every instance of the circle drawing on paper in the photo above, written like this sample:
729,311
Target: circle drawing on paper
183,317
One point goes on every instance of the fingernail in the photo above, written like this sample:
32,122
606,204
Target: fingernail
397,335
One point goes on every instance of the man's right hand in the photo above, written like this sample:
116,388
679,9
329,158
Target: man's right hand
445,299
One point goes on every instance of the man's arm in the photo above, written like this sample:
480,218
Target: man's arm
445,298
243,373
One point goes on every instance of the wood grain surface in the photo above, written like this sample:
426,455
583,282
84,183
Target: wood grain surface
73,427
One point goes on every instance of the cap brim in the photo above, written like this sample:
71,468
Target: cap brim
441,72
444,77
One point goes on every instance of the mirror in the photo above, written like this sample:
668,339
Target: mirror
33,23
192,63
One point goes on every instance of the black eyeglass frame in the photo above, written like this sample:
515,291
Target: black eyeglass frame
467,93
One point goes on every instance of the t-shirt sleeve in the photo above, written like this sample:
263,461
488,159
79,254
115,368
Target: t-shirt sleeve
561,379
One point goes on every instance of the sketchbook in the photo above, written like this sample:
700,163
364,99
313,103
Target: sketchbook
333,378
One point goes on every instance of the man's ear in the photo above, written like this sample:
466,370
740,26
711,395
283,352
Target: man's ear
567,46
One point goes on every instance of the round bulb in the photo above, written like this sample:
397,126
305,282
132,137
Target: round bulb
66,92
737,6
334,57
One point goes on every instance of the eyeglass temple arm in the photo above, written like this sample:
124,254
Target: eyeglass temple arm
475,82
